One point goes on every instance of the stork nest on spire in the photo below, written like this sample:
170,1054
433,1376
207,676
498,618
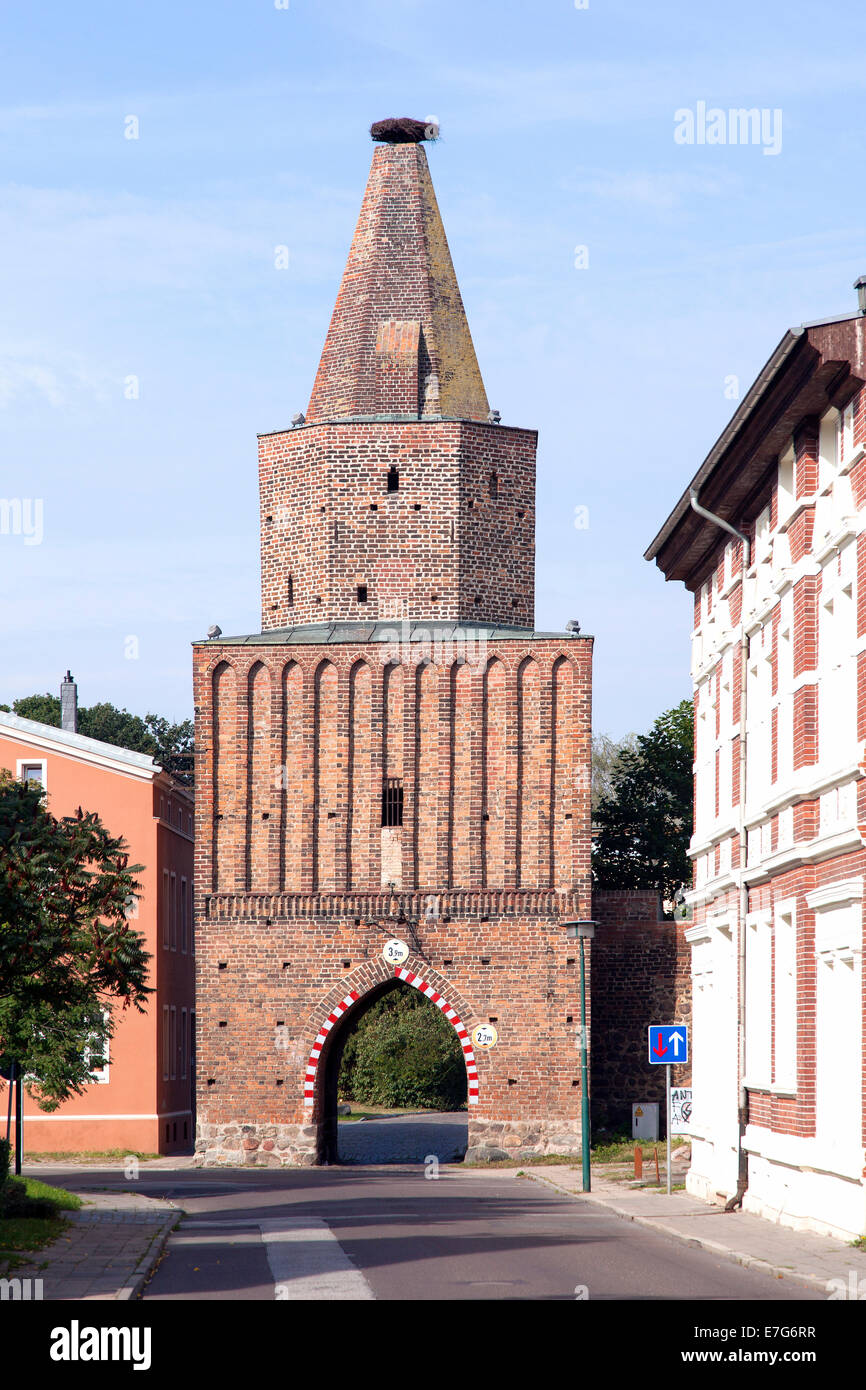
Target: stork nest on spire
403,130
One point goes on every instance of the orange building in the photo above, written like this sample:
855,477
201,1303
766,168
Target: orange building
143,1099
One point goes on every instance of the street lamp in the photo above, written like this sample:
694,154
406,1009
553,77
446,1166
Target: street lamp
583,931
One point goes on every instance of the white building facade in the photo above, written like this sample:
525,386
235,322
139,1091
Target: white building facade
780,791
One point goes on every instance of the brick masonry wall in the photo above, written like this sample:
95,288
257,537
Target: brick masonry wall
429,517
292,902
267,983
493,753
455,541
641,974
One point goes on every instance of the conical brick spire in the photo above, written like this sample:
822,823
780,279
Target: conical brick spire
399,344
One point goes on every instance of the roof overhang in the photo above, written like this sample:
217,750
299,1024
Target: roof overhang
47,738
813,367
390,631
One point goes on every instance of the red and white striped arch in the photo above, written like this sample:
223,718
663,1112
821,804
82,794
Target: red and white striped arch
409,978
313,1064
456,1023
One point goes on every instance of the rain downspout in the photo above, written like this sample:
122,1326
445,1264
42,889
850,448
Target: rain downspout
743,1099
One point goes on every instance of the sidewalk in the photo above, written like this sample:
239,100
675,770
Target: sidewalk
108,1251
749,1240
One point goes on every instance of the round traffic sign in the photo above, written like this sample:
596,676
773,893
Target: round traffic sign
485,1035
394,952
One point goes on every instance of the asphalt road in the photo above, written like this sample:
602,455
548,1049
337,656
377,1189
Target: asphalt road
390,1233
404,1138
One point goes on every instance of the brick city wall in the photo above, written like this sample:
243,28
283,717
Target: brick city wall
641,974
492,749
268,982
398,498
453,540
293,744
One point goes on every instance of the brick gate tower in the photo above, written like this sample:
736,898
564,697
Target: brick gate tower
397,753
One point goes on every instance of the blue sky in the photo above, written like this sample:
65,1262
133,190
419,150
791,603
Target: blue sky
153,258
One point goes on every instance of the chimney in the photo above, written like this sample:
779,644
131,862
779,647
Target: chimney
69,704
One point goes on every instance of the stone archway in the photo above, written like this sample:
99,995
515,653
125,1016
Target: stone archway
322,1070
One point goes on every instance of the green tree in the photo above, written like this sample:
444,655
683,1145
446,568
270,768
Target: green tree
170,744
67,951
605,754
45,709
644,823
403,1052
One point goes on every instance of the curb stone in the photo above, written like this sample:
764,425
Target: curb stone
728,1252
163,1226
149,1260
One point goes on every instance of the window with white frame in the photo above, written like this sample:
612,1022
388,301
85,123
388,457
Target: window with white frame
786,828
32,772
762,536
703,1042
785,706
845,442
758,1001
96,1050
785,997
828,449
838,1026
704,759
837,689
785,494
758,744
714,1067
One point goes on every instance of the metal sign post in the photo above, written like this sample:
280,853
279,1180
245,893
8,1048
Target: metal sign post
668,1120
668,1046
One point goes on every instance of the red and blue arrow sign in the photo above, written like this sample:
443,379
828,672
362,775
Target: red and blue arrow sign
668,1044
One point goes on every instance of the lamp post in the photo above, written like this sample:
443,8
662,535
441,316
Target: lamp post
583,931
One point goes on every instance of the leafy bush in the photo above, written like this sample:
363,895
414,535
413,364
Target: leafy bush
403,1052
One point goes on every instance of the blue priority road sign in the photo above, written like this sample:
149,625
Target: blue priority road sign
668,1044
